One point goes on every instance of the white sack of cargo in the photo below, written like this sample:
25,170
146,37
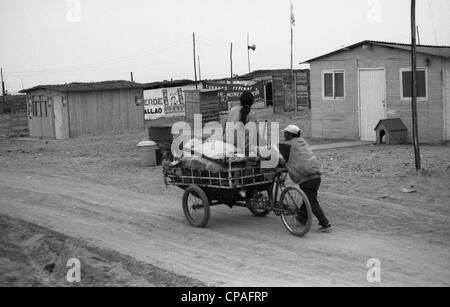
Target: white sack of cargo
214,149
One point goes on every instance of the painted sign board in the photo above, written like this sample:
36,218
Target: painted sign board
165,102
230,94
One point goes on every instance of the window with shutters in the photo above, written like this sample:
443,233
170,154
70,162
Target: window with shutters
333,84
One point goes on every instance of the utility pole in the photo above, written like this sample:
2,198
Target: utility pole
248,52
292,49
3,86
292,36
199,70
3,93
4,100
231,62
195,64
294,80
414,86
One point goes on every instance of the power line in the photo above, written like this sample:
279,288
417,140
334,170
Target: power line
110,62
433,24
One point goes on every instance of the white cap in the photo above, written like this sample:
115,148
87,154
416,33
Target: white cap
146,143
292,129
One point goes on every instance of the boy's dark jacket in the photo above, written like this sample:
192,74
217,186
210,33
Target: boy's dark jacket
301,163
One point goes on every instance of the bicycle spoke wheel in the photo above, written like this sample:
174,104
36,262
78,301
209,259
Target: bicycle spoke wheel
196,206
296,211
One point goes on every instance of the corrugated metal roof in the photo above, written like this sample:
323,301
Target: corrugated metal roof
87,87
268,72
439,51
167,84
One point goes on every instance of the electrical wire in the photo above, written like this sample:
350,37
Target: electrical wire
96,66
433,24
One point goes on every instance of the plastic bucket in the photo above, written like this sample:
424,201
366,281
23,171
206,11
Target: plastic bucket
147,153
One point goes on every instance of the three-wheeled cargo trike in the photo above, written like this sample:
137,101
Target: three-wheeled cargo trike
260,190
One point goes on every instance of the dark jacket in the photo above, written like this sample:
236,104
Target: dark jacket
301,162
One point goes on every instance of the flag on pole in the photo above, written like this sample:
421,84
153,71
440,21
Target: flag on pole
292,16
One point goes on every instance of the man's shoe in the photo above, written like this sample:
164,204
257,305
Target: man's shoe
326,228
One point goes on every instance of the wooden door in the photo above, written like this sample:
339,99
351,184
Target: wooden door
372,101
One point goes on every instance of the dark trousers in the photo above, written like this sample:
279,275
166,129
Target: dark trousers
311,188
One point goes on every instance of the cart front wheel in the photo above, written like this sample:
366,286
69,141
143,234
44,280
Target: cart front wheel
196,206
296,211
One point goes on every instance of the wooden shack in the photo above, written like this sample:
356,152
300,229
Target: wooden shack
76,109
205,102
284,89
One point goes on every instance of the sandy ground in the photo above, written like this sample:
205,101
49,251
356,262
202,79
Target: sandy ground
93,189
35,256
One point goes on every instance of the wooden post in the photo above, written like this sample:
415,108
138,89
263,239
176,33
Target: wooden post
195,64
292,48
414,86
292,59
248,52
199,70
231,62
3,86
295,90
4,102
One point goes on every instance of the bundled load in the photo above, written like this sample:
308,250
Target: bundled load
201,164
217,155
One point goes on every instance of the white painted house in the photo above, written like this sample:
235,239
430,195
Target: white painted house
353,88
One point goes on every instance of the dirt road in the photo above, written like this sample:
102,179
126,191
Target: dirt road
93,189
236,250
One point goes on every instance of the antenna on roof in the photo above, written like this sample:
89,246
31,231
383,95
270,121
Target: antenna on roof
195,64
418,35
199,70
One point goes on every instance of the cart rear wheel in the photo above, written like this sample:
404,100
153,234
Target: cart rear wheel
196,206
296,214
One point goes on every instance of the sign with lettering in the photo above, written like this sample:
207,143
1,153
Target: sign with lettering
165,102
231,93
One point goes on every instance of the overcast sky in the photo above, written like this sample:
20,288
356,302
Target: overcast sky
46,41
